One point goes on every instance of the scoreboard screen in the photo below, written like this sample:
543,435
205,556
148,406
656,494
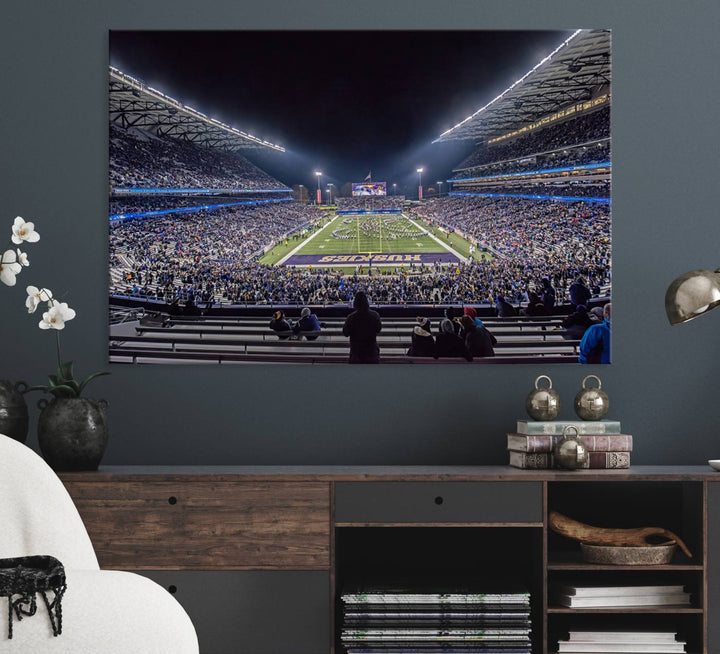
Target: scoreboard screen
369,188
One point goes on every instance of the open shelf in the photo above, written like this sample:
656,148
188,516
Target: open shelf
626,609
572,560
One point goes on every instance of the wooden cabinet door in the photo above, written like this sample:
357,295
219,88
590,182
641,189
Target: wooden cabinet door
145,524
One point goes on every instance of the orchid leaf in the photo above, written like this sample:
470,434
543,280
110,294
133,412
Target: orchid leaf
88,379
63,391
65,371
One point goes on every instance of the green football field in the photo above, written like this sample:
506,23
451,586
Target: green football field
372,234
382,238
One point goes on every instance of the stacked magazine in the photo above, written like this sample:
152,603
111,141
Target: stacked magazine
392,621
585,597
626,642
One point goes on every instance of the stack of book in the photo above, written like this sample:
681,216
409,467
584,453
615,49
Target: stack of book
384,621
531,446
584,597
647,642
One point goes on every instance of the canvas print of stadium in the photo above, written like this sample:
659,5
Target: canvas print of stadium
489,243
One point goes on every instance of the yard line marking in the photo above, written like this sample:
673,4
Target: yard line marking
304,243
435,238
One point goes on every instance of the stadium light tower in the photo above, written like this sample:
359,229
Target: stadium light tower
319,192
420,172
439,183
394,189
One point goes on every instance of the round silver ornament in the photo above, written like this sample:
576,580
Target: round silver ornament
591,403
570,452
543,403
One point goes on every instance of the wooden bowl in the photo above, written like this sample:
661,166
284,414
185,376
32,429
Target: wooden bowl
618,555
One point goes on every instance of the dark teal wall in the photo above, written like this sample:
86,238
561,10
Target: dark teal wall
663,383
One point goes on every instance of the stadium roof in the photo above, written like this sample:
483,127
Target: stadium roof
134,104
574,72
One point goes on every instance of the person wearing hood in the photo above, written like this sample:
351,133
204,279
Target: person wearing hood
577,323
453,314
478,340
597,341
280,324
308,323
579,292
548,296
362,327
423,343
449,344
504,308
470,311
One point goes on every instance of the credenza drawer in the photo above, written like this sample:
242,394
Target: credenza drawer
231,525
254,611
443,502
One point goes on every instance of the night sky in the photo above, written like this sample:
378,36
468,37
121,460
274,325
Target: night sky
344,103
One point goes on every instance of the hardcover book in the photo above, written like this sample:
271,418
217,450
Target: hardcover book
555,427
593,442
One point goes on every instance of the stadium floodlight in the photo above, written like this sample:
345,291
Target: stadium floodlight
319,192
420,172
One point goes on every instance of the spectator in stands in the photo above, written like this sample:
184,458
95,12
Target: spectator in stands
453,315
308,324
596,343
448,343
548,296
577,323
478,340
423,343
362,327
534,307
504,308
280,324
579,292
470,311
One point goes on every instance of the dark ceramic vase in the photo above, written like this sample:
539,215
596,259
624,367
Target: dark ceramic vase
13,410
72,433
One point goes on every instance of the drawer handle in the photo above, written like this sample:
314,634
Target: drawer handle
439,500
172,500
172,589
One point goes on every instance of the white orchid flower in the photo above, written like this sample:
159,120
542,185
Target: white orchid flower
56,316
9,267
22,258
36,296
22,231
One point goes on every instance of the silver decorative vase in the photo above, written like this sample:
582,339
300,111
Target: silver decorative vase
591,403
570,453
543,403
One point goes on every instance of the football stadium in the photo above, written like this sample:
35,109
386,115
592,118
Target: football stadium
218,254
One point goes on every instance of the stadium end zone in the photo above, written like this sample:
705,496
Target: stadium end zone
339,260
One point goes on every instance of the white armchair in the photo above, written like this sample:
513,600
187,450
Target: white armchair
104,612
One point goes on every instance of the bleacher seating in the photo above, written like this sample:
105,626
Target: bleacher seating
520,340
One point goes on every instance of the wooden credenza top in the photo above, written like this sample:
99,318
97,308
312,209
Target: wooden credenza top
389,473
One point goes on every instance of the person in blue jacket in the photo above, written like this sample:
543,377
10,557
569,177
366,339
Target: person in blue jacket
308,323
596,342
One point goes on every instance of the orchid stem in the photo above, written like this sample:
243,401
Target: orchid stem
57,333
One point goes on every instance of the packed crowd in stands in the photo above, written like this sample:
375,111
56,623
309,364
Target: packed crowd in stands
206,258
580,155
134,205
556,189
371,202
585,128
158,253
139,159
